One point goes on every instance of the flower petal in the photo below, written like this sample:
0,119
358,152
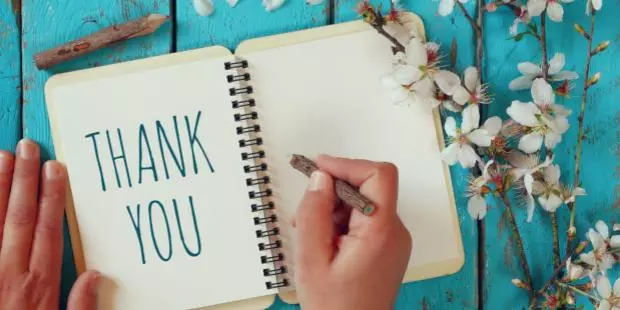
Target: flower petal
551,203
603,305
529,69
416,52
602,229
471,118
523,113
446,81
597,4
460,95
561,111
521,83
480,137
314,2
552,174
471,79
467,156
233,3
450,154
450,126
595,239
477,207
555,11
552,139
530,207
530,143
588,258
603,286
203,7
493,125
542,92
564,75
452,106
528,181
556,63
424,88
445,7
614,242
406,74
536,7
271,5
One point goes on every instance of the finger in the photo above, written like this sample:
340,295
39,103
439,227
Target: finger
7,163
84,292
315,231
377,181
22,211
46,257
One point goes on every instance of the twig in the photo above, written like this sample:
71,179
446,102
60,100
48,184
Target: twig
378,24
580,137
104,38
543,45
578,291
559,268
556,239
471,20
521,250
479,37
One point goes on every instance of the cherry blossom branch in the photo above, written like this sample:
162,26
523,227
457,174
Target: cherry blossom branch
521,250
560,267
474,24
556,240
580,134
578,291
543,46
397,46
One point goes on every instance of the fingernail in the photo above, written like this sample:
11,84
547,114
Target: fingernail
26,149
318,181
6,162
52,170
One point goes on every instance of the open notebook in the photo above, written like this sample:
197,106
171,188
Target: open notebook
181,190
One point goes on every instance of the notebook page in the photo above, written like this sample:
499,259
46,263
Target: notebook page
325,96
170,224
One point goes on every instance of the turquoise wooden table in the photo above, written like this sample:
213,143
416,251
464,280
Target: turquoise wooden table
29,26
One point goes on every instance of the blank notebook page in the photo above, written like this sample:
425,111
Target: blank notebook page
326,96
136,235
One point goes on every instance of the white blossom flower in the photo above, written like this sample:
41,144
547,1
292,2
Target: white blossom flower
610,299
447,6
543,118
203,7
477,189
522,18
554,8
415,75
472,93
461,139
549,190
271,5
593,4
525,166
533,71
574,271
599,258
569,195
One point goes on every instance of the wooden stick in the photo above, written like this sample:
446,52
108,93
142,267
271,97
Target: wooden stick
106,37
344,190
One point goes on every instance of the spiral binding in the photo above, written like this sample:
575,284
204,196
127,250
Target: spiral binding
264,210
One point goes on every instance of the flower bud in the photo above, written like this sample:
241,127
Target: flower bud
594,79
571,232
520,284
580,247
581,31
491,6
601,47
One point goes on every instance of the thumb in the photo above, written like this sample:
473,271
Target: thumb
315,229
84,292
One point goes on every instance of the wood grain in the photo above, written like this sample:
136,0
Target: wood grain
457,291
10,75
48,23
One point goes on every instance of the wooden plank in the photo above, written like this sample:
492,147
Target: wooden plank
601,154
48,23
10,75
229,26
457,291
